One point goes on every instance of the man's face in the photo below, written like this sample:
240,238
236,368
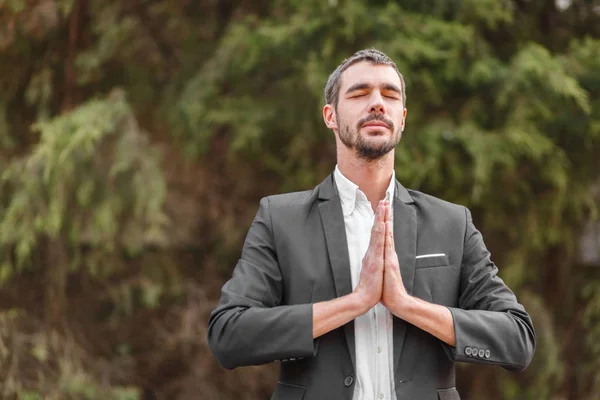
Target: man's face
370,111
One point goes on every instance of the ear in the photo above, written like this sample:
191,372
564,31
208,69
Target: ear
330,117
403,120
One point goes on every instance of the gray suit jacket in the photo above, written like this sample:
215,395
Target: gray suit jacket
296,254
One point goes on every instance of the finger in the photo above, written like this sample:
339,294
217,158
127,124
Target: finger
383,206
379,239
378,213
386,205
376,232
390,248
385,221
378,236
385,211
388,215
383,224
375,252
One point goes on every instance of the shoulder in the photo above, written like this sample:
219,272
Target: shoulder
289,199
287,210
294,206
288,204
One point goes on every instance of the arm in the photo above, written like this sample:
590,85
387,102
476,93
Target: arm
488,316
249,325
432,318
330,315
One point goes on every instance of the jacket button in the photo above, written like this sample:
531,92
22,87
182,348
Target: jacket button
468,351
348,381
487,354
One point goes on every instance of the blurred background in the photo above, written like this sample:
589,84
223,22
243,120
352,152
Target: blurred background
137,137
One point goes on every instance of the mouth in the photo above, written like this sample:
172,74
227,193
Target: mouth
375,126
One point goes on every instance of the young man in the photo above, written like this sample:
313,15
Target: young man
361,288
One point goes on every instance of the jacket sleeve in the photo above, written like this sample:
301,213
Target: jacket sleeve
249,325
491,326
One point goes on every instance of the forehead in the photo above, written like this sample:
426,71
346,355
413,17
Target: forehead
366,72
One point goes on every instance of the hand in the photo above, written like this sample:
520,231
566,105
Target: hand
394,293
370,284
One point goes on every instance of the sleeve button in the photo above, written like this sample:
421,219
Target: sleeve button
481,353
468,351
348,381
487,354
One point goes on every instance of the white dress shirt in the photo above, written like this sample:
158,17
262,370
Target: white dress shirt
372,330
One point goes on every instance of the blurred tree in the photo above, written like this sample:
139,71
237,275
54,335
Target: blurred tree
503,117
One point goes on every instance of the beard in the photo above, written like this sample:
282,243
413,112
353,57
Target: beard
364,148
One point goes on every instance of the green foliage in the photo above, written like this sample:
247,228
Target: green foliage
61,368
13,5
93,179
515,138
591,322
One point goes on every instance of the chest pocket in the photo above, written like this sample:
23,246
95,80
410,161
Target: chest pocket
436,280
432,261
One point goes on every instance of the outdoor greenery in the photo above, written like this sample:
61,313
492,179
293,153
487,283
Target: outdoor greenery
136,138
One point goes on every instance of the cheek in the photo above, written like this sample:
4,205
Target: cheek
350,111
351,120
398,119
341,119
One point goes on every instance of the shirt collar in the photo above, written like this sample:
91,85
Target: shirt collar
349,191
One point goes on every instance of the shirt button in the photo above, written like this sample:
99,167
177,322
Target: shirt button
378,349
381,395
348,381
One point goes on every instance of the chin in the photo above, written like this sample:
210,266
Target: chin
379,140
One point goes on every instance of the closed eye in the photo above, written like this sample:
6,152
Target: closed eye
391,95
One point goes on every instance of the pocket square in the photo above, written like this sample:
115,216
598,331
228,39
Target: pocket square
431,255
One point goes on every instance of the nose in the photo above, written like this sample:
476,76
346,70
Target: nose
377,105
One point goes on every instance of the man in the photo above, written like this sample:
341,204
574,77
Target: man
361,288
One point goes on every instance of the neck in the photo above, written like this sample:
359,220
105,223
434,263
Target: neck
372,177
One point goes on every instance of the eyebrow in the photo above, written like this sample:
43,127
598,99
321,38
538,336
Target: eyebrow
364,86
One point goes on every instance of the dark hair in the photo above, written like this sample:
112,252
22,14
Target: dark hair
374,56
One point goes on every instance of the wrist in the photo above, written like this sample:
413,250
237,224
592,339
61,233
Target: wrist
403,306
360,303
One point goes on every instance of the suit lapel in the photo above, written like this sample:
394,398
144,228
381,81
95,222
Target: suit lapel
405,240
332,217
